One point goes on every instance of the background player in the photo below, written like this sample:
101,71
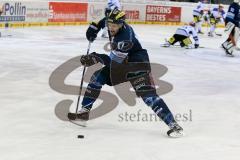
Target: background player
232,27
217,14
198,14
127,53
182,36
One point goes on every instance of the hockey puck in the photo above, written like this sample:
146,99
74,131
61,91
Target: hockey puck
80,136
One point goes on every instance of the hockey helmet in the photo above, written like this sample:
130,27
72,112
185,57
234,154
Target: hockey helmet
116,16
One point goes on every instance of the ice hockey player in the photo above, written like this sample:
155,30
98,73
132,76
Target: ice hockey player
110,6
182,35
198,13
130,63
232,27
217,15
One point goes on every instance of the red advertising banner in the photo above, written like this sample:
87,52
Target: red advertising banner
163,13
132,14
67,12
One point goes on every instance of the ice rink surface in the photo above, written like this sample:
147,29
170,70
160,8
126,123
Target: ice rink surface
206,89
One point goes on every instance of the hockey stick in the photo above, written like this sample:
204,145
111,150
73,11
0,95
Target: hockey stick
109,34
83,73
74,116
218,34
179,46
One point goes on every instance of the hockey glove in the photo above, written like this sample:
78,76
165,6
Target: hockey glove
196,45
92,32
89,60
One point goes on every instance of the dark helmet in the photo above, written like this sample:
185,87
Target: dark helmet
116,16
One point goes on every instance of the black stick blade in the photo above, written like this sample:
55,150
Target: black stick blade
72,116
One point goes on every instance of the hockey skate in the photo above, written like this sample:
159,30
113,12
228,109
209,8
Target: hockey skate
229,53
210,34
166,44
200,32
80,118
175,131
190,46
225,44
229,48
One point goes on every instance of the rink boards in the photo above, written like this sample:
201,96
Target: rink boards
34,13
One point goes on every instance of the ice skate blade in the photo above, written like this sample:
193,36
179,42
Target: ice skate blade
176,134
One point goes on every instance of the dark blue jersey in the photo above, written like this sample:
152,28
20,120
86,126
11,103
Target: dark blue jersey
233,14
126,46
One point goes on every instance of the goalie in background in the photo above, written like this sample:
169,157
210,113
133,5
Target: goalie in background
232,27
182,36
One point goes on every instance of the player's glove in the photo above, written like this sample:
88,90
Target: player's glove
196,45
94,58
92,32
89,60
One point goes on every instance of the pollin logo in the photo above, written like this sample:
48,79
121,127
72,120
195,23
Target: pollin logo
13,12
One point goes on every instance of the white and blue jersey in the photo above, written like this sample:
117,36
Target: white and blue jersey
188,31
113,4
216,13
198,11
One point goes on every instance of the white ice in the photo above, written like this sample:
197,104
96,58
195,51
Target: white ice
206,83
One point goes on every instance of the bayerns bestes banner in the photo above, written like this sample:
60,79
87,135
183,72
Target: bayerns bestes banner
163,13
